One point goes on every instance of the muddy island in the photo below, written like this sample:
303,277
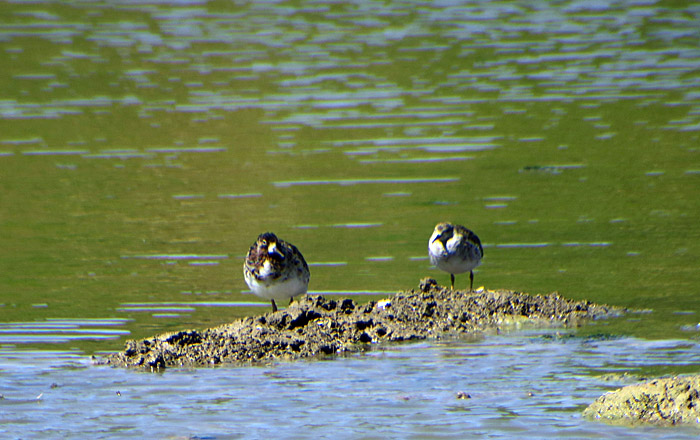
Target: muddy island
662,402
317,326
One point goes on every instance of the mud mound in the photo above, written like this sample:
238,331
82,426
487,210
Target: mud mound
314,325
664,402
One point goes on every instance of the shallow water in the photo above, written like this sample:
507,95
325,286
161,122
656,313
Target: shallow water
144,145
523,385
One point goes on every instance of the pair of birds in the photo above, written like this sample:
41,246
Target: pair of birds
276,270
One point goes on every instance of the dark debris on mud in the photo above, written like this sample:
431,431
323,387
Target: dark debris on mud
316,326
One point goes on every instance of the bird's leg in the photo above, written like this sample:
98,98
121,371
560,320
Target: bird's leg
471,281
452,278
274,306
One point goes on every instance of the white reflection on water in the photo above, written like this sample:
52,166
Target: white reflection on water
174,309
288,183
187,196
122,154
354,225
397,194
54,152
380,258
357,225
187,150
351,292
155,308
56,331
327,263
176,256
417,159
239,196
547,244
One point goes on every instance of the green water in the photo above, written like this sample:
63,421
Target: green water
144,146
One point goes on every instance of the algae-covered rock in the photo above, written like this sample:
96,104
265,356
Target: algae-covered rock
315,325
664,402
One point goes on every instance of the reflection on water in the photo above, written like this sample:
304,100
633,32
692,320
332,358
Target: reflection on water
57,331
345,182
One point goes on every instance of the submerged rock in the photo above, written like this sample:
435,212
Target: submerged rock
663,402
315,325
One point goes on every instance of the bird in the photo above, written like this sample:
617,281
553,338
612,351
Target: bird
275,269
455,249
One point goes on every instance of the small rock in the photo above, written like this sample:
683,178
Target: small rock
383,304
427,284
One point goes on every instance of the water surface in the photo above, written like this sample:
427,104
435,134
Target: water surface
523,385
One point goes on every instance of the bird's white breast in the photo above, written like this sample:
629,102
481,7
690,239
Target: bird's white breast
449,258
278,290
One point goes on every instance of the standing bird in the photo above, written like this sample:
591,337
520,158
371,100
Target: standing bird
275,269
455,249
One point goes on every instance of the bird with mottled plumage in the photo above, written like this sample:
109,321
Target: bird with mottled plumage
275,269
455,249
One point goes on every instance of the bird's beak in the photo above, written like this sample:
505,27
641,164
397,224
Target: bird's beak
272,250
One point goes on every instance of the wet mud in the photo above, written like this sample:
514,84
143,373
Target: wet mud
316,326
663,402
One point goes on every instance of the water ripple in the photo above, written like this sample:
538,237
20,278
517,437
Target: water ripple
344,182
